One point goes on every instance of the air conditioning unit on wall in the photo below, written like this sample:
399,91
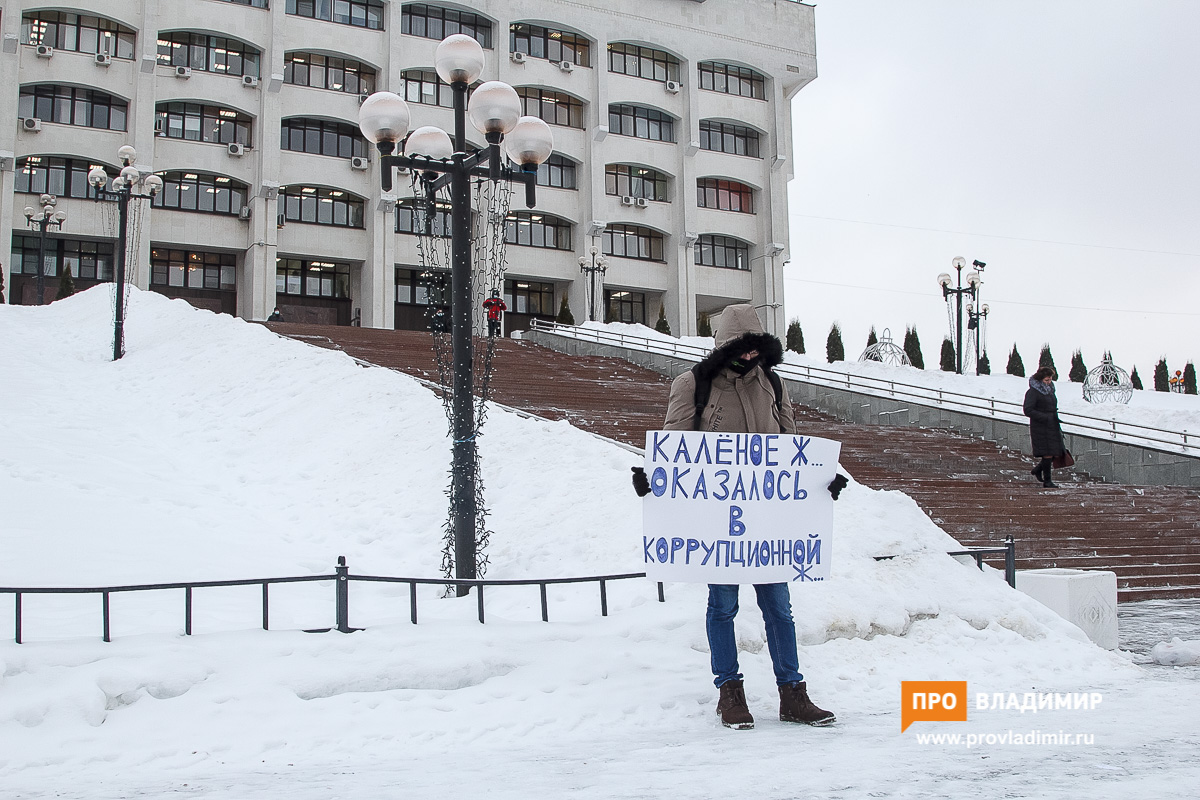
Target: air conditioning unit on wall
45,51
673,87
517,58
183,72
236,149
103,59
643,202
627,200
566,66
244,213
358,162
249,81
31,124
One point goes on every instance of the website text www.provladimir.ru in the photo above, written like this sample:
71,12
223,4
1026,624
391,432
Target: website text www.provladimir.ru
1033,738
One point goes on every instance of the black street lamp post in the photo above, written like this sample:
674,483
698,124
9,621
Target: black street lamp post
495,109
594,268
970,289
122,192
40,221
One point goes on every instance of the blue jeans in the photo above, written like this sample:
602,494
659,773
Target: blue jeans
776,607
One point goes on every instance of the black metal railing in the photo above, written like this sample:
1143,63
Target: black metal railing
341,578
1009,551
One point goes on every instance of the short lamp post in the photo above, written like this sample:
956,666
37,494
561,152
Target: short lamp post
439,161
41,220
975,319
972,286
122,191
594,268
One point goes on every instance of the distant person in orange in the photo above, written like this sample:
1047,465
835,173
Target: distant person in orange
1045,433
495,307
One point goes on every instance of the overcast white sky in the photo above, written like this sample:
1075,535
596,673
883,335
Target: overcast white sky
1057,142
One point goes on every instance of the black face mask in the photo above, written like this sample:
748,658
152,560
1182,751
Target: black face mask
741,367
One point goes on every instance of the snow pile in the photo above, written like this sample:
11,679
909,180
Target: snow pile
1176,653
216,449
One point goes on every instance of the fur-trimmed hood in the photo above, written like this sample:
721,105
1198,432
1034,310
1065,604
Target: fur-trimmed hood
738,331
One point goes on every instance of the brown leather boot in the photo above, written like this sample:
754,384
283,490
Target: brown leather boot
794,706
732,707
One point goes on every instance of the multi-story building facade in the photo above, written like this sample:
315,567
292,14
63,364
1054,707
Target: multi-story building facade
672,130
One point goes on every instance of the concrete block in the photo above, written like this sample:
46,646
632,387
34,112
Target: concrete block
1086,598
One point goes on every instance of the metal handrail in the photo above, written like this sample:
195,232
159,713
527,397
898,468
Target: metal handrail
342,579
1163,439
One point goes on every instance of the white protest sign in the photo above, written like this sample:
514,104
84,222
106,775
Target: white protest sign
738,507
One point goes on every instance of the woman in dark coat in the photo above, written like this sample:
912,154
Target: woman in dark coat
1041,406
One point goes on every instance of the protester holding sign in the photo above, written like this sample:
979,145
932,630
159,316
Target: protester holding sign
733,391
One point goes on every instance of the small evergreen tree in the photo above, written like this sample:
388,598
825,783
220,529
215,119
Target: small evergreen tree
912,348
984,367
1015,365
1078,371
1189,378
834,350
1135,379
872,338
947,360
66,284
795,337
662,326
1161,382
1046,360
704,326
565,317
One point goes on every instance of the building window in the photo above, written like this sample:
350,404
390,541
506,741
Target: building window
538,42
724,195
61,177
435,22
198,123
304,278
632,241
425,87
79,33
556,108
627,180
557,171
359,13
623,306
529,297
87,260
328,72
642,62
730,79
724,137
193,191
193,269
722,251
417,217
70,106
322,138
207,53
418,288
250,3
534,229
319,206
643,123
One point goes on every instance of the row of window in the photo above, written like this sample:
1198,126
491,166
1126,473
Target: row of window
90,34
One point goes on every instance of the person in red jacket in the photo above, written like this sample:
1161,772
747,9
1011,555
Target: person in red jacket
495,307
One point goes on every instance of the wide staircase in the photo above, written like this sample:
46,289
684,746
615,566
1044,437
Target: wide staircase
1148,535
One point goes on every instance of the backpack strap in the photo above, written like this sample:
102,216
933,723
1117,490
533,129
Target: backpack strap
704,389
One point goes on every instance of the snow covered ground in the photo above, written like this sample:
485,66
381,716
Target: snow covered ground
216,449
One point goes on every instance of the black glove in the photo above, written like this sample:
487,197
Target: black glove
641,484
837,484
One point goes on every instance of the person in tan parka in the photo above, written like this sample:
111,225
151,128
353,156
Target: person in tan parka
743,400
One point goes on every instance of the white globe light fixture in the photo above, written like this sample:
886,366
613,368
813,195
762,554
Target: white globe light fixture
97,177
153,184
494,108
458,59
530,142
383,118
429,141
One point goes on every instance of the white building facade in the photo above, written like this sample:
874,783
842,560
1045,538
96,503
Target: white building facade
671,120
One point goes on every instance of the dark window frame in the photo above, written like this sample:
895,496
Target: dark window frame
722,252
648,244
411,218
422,288
641,122
322,205
331,279
204,53
731,138
551,106
71,32
717,76
320,137
625,300
647,63
537,41
355,13
724,195
538,229
357,77
529,297
431,21
225,191
91,260
51,102
558,172
193,269
631,180
57,175
177,119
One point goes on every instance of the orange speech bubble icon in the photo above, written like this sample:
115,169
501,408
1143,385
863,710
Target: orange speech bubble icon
932,701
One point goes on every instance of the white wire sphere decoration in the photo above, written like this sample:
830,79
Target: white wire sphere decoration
494,107
458,59
530,141
384,117
126,153
153,184
97,176
130,175
430,141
